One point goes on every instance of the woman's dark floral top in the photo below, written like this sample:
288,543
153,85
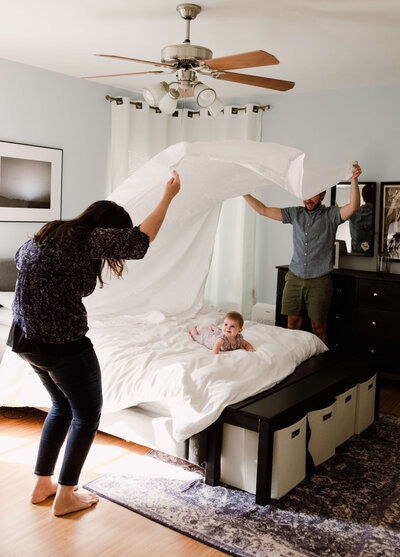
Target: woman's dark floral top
52,282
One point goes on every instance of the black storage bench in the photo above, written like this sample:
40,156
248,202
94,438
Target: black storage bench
314,382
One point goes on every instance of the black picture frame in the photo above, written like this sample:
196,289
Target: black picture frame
366,246
30,182
389,227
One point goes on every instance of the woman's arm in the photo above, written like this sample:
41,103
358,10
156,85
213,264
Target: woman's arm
152,223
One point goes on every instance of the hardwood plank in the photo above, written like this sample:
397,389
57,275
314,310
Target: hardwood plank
104,530
390,397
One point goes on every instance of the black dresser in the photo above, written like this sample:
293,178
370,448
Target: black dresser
365,315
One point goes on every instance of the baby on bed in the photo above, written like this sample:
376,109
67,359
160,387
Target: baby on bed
225,339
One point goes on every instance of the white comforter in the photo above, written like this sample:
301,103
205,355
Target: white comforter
151,358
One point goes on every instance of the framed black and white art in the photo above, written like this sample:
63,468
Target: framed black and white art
30,182
390,220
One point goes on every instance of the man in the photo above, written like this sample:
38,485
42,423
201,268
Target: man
308,281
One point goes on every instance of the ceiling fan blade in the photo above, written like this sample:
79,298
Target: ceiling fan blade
257,81
119,74
136,60
244,60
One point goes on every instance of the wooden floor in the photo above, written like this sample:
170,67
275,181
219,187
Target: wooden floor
106,530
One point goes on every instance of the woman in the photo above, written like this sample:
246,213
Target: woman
56,269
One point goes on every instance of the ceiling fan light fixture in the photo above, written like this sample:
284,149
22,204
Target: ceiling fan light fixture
173,93
204,95
154,93
216,107
168,103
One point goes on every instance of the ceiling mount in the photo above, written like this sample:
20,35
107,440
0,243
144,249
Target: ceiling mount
188,11
187,60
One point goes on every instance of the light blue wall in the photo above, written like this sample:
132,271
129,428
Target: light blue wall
54,110
49,109
329,126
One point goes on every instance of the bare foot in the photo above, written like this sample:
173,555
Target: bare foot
193,331
45,487
69,500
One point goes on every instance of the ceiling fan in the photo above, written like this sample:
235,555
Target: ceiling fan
187,61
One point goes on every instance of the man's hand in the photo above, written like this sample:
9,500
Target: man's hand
348,210
356,170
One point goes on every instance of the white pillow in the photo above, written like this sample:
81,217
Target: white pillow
6,299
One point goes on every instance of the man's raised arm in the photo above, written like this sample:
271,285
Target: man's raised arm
270,212
348,210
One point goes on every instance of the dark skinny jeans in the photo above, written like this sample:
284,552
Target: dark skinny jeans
74,384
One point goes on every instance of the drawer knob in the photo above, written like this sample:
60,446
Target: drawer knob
373,323
375,294
372,351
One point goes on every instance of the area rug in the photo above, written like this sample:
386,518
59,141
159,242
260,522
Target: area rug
350,507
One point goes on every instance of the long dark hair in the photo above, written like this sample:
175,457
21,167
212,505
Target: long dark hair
73,233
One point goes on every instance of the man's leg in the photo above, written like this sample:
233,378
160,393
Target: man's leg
318,296
292,300
294,321
320,328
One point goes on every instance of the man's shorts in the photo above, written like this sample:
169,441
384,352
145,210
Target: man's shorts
312,296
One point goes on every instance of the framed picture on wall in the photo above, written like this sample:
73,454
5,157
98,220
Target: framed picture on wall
358,232
30,182
390,220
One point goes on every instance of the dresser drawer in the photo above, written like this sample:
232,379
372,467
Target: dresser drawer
379,294
376,323
343,288
385,355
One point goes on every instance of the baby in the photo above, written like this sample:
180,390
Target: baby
225,339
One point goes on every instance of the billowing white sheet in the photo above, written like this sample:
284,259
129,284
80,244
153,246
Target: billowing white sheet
151,358
172,276
139,325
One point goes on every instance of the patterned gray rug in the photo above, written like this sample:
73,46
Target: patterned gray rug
349,508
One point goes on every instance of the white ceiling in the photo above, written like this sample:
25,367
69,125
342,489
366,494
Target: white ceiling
321,44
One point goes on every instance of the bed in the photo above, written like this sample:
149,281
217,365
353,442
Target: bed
161,389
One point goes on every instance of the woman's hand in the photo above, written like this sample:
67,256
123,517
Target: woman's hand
151,225
173,185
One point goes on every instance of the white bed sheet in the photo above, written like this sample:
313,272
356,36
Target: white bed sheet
152,359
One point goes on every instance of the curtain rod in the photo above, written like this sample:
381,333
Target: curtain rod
139,104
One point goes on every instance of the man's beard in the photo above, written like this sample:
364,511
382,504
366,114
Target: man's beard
313,206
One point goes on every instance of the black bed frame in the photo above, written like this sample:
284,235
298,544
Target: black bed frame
311,386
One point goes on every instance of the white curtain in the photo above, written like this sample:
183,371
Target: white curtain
140,132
